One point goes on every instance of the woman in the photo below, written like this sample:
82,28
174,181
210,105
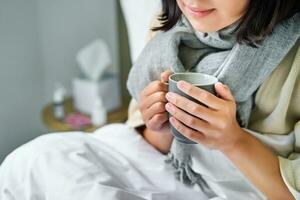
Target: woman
223,27
229,162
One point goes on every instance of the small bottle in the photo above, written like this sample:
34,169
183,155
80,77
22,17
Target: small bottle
58,102
99,114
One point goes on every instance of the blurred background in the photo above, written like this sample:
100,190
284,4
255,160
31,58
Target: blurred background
64,64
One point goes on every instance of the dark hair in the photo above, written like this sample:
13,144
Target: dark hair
259,20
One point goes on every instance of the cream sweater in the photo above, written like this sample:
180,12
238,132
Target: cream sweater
275,118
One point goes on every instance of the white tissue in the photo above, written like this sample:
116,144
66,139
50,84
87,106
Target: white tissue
94,59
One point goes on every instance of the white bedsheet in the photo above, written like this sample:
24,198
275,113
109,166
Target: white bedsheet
111,164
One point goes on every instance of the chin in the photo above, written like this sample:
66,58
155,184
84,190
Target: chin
205,28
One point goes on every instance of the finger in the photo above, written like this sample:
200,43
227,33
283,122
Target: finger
187,119
191,107
201,95
158,120
196,136
153,87
224,92
152,99
165,76
156,108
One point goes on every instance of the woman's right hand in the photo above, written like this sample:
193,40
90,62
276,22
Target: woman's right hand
152,104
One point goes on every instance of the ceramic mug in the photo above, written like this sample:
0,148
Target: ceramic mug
203,81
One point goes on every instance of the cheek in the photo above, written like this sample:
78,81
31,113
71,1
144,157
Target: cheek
232,10
180,5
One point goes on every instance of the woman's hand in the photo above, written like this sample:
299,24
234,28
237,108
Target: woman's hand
214,126
152,104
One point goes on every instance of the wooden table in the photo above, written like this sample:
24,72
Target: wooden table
117,116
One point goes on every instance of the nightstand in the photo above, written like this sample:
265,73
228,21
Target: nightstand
117,116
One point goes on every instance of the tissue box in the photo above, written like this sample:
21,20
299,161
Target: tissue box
85,93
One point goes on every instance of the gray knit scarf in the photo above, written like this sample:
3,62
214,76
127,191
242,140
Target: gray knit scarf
242,67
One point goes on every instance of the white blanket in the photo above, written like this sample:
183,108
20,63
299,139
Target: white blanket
111,164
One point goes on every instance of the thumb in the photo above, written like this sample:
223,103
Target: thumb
164,77
224,92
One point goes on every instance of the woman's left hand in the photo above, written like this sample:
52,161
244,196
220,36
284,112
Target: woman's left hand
214,126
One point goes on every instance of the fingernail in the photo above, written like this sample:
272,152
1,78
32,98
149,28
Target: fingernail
219,83
181,84
170,96
172,120
169,107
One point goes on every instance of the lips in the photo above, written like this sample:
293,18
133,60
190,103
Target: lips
199,12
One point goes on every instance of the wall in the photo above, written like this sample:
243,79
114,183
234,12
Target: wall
66,26
21,77
124,55
39,40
